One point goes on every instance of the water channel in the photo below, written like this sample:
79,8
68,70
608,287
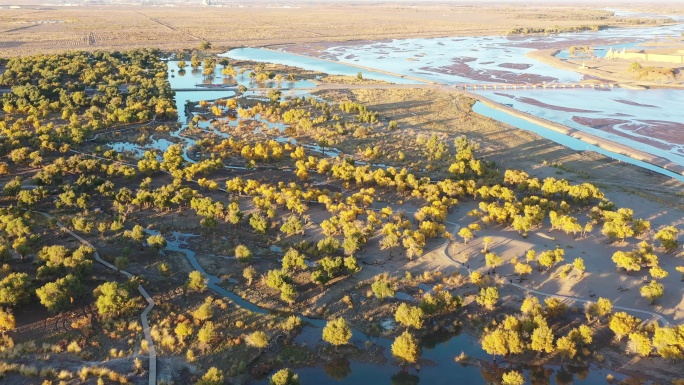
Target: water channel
438,351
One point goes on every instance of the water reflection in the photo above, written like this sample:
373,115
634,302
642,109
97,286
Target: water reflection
338,369
405,378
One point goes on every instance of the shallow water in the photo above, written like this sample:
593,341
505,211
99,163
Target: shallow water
313,64
438,350
192,78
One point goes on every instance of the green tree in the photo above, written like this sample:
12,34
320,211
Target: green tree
276,278
213,376
409,316
406,348
14,289
294,260
512,378
205,45
288,293
488,297
57,296
111,299
274,95
652,291
196,281
440,300
293,225
243,254
284,377
337,332
258,339
382,288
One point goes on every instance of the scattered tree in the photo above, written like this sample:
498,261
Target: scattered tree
512,378
258,339
284,377
409,316
337,332
196,281
406,348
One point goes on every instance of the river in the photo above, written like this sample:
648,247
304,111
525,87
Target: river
647,120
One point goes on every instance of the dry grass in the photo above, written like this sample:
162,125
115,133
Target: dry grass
22,31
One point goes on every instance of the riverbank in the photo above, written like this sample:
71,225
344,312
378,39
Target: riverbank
605,144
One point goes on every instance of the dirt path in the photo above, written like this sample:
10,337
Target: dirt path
443,252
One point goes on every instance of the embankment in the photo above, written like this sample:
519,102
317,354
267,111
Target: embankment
585,137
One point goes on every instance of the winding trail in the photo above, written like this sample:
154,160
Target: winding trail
152,354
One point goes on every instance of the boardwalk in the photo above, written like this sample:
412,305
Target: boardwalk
152,354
